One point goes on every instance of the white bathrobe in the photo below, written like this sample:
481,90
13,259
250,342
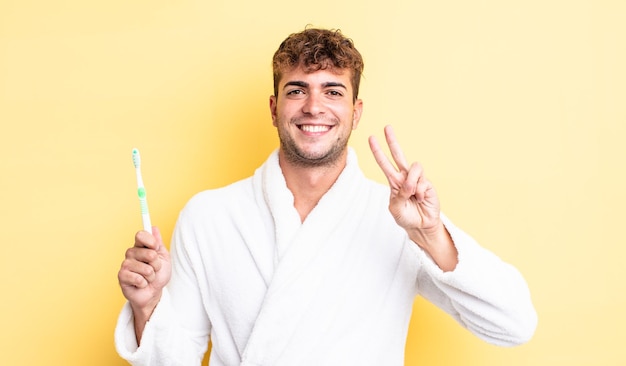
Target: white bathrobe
337,289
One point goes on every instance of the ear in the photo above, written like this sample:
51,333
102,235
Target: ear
356,114
273,102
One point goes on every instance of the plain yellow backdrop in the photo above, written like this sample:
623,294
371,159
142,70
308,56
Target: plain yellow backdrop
515,108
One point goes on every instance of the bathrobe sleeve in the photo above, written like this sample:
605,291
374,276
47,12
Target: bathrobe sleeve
484,294
178,330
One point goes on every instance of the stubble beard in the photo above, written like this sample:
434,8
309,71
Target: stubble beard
297,156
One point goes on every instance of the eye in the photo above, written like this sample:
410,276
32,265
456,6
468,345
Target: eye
295,92
334,93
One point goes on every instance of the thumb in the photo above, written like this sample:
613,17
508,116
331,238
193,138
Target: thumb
159,240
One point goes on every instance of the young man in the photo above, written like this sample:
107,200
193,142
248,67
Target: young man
308,262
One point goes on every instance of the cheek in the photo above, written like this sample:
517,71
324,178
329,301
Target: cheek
348,115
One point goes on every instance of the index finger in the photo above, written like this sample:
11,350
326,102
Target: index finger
381,159
396,151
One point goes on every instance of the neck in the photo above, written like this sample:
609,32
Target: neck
309,184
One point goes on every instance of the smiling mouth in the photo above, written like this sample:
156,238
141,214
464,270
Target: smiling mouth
314,128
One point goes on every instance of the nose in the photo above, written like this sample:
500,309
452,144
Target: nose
313,104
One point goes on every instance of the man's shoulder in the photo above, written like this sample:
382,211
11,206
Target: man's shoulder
222,197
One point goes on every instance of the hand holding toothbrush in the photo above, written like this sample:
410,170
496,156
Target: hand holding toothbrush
146,268
144,272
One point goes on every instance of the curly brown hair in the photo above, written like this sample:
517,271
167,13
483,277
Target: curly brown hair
318,49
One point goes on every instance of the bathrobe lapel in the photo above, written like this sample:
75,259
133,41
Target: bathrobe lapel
306,257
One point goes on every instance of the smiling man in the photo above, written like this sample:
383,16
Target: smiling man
316,110
308,262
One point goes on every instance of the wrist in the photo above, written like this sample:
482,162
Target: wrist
141,316
437,242
431,237
143,312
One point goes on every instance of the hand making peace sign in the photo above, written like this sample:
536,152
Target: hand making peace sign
414,203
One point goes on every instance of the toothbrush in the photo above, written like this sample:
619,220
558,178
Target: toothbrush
141,192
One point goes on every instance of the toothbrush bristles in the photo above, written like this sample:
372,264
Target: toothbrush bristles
136,158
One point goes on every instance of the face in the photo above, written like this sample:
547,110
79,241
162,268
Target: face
315,114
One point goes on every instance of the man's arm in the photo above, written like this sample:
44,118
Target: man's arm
484,294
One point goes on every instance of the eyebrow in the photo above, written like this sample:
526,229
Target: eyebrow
304,84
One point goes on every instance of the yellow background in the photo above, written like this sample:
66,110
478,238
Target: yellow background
516,109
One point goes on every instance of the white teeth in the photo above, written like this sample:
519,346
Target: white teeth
314,128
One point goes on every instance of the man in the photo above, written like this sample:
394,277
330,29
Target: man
307,262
